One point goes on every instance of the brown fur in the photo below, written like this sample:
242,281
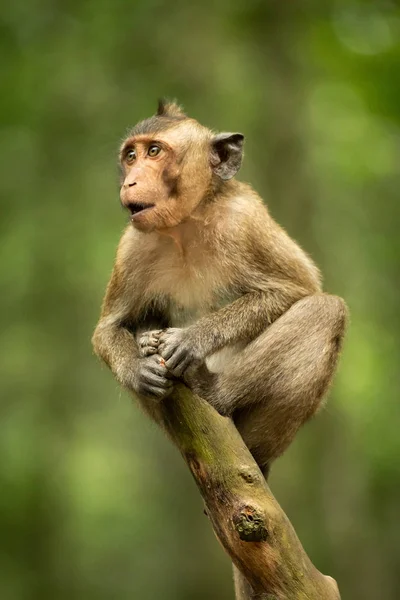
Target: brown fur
248,326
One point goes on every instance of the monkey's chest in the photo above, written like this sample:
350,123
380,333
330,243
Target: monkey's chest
184,314
190,303
191,292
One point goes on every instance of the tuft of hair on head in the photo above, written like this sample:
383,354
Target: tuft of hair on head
170,109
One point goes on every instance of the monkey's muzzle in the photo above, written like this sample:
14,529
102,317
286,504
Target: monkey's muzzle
138,207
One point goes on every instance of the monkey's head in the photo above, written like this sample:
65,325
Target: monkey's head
170,164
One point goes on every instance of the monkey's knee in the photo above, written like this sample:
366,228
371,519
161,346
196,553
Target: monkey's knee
317,327
334,320
331,312
341,312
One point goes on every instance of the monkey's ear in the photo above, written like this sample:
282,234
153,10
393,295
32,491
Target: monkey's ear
226,154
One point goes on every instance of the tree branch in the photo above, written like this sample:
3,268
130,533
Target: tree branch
245,516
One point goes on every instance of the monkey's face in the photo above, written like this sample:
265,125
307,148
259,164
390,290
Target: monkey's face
169,164
163,179
147,178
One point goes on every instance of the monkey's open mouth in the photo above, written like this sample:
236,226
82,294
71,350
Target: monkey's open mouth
138,207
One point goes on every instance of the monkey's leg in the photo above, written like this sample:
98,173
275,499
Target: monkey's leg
278,381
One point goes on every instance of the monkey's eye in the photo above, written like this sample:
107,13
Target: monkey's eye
153,151
130,155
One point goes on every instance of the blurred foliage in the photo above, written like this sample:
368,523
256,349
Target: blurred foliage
95,503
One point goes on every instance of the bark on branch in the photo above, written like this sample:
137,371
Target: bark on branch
245,516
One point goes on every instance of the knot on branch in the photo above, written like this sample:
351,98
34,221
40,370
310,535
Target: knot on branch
249,475
249,524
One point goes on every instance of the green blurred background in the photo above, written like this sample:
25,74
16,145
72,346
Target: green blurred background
94,502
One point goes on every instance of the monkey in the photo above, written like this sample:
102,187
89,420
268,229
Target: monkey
207,289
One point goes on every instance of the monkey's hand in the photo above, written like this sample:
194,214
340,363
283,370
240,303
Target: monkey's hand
152,378
179,349
148,342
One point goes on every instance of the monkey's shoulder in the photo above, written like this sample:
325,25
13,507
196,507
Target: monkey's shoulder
263,244
241,209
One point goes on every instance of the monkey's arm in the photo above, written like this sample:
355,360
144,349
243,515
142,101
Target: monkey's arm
243,320
270,273
114,341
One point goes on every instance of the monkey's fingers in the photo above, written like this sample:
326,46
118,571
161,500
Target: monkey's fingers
154,381
165,351
178,366
145,343
148,351
149,339
154,332
155,392
174,354
159,367
157,380
170,334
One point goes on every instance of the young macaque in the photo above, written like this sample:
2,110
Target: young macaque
208,289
